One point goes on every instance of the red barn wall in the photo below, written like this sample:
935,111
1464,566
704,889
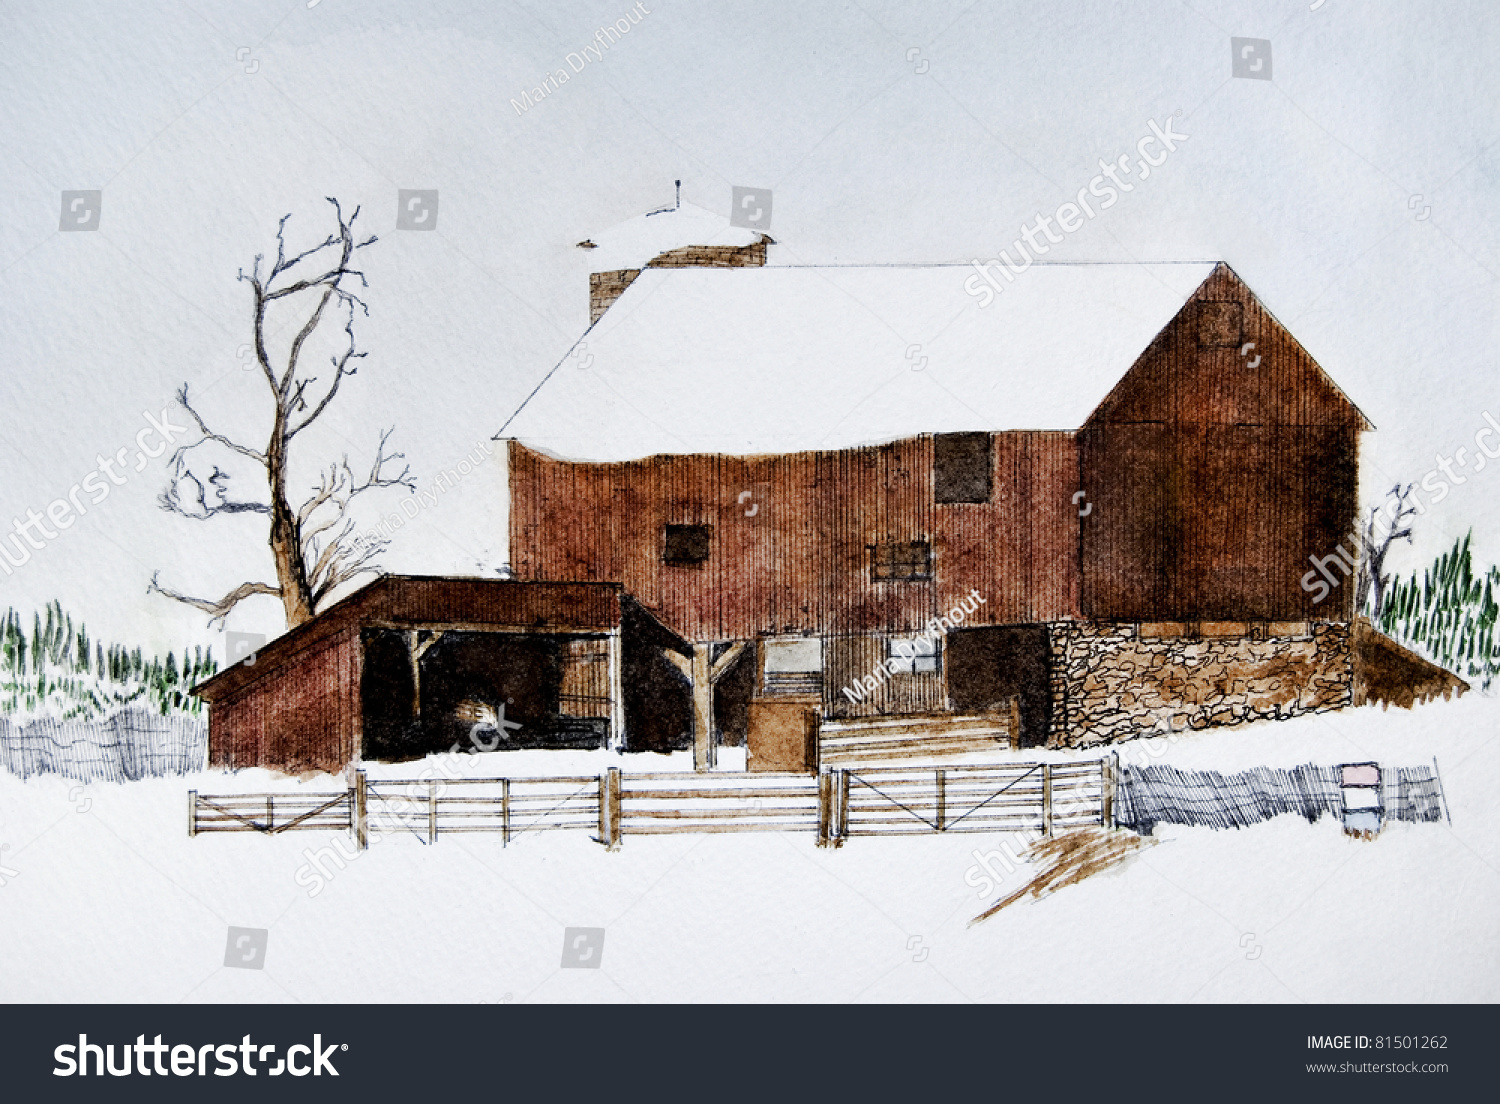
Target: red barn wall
1215,477
305,716
792,555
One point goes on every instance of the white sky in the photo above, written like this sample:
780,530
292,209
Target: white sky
1304,184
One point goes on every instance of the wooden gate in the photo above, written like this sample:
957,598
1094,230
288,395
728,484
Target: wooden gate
1040,797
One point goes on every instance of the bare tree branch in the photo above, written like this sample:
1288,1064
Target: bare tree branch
171,499
339,372
219,610
210,435
348,563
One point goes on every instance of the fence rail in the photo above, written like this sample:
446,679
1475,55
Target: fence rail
270,813
835,804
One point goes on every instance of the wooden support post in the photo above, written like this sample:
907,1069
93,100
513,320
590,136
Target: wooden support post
505,812
941,798
1046,799
843,803
432,812
703,708
416,648
270,812
357,812
415,658
616,691
192,813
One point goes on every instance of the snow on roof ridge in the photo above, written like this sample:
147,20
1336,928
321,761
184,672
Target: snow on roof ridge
826,357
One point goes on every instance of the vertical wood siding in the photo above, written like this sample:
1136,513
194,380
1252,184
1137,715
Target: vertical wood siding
1213,481
793,554
306,717
1210,478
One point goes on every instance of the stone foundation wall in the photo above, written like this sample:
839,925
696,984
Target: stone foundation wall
1111,682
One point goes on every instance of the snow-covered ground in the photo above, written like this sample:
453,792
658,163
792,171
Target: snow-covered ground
105,898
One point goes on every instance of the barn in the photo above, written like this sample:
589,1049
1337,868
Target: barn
891,520
845,515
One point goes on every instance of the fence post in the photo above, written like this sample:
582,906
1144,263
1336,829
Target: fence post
270,812
432,812
361,823
1107,801
192,813
609,808
604,809
1046,799
612,784
825,808
842,820
942,797
505,812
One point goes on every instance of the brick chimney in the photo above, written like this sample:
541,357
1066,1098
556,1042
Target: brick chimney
663,241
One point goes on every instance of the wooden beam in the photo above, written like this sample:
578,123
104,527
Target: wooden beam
489,627
680,661
726,661
426,645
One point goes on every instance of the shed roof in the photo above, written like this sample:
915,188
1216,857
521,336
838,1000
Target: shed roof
417,601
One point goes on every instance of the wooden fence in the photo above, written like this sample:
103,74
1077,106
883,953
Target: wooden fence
270,813
835,804
1040,797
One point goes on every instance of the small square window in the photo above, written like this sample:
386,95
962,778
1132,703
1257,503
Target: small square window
687,544
906,563
911,655
961,467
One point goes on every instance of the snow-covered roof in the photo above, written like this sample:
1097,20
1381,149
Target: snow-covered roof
636,241
786,358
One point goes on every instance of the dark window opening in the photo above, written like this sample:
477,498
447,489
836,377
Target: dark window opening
909,562
687,544
961,467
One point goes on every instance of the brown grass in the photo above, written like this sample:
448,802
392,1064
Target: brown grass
1070,858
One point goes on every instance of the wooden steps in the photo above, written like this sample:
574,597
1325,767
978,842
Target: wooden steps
869,740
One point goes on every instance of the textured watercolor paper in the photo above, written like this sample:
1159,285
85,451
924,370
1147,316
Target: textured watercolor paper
698,351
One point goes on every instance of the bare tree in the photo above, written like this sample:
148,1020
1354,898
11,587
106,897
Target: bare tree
310,543
1383,527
